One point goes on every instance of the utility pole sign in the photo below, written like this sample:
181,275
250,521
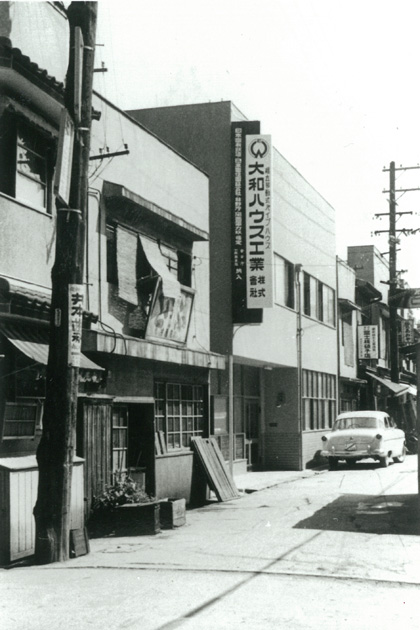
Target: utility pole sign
75,323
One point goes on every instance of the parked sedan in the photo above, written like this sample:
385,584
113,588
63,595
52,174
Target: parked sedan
364,435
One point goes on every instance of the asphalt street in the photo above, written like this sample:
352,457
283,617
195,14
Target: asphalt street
315,550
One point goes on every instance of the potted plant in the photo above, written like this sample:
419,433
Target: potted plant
124,509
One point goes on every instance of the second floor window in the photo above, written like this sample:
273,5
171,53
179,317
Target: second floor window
31,169
284,282
318,300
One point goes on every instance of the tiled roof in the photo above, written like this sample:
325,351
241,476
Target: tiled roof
14,58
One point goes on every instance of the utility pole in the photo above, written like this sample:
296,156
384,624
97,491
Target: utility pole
393,280
56,448
393,332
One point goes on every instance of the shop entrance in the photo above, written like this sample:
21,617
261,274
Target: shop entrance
252,431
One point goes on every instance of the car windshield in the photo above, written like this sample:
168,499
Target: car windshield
357,423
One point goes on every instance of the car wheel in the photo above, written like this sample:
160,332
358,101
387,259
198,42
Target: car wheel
333,463
401,458
351,463
384,461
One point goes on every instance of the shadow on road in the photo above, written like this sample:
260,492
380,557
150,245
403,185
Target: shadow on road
369,514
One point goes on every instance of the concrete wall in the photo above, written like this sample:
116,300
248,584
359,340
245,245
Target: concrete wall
370,265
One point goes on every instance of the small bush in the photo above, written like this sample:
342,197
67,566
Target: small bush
119,493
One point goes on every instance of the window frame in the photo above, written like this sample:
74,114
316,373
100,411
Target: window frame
287,280
34,421
20,130
172,415
319,400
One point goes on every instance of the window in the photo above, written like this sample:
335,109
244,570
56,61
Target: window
310,295
111,255
318,300
318,399
284,282
347,340
19,421
119,440
31,168
171,258
184,268
179,413
25,163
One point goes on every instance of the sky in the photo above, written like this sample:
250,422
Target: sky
336,84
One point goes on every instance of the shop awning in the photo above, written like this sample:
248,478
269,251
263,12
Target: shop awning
32,345
396,388
348,305
410,390
170,286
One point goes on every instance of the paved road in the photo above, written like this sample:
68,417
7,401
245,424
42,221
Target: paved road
330,550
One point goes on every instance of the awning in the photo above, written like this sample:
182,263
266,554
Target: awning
32,344
127,265
395,388
348,305
130,208
410,390
99,341
170,286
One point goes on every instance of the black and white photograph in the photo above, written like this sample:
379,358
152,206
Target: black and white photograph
209,315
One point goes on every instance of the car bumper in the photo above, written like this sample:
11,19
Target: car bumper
360,454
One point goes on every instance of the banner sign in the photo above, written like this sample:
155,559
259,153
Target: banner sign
405,332
240,313
170,317
76,293
405,298
258,221
368,342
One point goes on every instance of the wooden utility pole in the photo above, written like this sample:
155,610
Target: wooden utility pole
393,331
393,279
56,448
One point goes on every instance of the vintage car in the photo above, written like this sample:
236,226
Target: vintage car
363,435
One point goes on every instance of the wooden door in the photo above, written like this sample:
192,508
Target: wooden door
94,444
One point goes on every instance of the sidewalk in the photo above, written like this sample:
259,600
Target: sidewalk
254,481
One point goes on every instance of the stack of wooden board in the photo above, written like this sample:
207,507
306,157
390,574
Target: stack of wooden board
213,464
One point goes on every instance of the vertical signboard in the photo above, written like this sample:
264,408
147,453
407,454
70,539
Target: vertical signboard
76,292
406,332
368,342
240,313
62,179
258,221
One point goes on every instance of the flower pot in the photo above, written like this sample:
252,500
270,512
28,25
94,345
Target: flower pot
130,519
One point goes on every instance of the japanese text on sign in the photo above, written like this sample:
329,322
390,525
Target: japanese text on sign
76,293
258,218
368,342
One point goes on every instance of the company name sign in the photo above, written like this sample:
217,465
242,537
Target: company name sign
258,221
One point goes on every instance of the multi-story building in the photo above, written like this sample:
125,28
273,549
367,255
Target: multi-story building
144,375
284,363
